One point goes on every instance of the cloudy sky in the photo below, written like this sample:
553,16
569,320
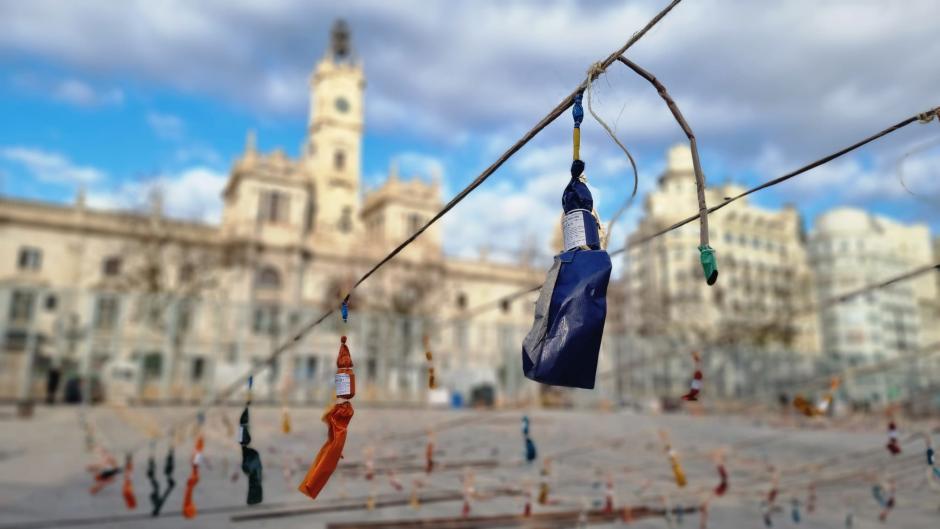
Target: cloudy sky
116,95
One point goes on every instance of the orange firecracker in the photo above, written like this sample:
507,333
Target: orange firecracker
337,420
328,458
345,378
128,490
189,504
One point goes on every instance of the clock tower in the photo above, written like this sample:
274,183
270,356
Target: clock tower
333,149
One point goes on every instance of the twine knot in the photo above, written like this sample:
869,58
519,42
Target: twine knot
595,71
927,117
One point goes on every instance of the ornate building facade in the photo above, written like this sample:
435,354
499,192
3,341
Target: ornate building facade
764,273
174,309
851,248
748,325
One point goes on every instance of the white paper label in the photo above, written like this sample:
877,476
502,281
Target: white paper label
241,434
342,384
572,228
696,383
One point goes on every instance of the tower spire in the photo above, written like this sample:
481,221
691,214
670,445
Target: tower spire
340,41
251,142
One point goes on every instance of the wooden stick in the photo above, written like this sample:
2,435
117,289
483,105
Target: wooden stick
544,519
696,163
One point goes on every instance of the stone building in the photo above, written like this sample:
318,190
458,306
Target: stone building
764,280
174,309
764,274
851,248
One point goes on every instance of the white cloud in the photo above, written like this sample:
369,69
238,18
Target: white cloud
797,75
419,164
197,153
80,93
851,181
71,91
783,87
51,167
194,193
166,126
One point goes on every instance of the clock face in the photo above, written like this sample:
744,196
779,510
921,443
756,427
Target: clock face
342,104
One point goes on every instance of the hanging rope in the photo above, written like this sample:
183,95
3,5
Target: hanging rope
900,170
594,72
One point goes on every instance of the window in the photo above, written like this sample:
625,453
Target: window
345,220
461,300
231,356
273,207
106,312
184,314
111,266
198,369
51,302
153,365
309,215
265,320
187,270
414,223
311,368
339,160
21,306
30,258
462,338
505,306
268,279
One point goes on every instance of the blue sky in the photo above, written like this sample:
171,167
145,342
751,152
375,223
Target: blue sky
112,96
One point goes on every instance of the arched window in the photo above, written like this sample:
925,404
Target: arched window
345,220
339,160
268,278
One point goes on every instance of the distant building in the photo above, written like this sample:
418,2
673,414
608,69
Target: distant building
850,249
187,307
764,275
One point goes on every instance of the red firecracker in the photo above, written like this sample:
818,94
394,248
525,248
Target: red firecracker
893,446
695,387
